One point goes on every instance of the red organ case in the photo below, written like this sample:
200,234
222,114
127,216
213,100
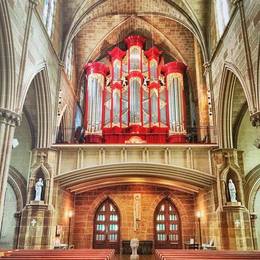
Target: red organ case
136,100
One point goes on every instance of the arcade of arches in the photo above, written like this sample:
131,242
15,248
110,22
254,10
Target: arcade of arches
124,119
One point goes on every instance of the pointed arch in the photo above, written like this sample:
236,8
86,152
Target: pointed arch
252,185
18,183
106,230
7,60
82,15
39,80
40,171
232,172
230,75
167,225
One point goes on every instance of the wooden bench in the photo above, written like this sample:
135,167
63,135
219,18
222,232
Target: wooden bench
77,254
170,254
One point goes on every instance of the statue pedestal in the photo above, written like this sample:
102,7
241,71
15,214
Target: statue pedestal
134,243
233,203
37,202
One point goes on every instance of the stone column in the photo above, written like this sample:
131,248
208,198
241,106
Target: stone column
37,226
253,218
8,121
202,95
234,218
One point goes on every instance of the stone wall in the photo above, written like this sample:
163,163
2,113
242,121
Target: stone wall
87,203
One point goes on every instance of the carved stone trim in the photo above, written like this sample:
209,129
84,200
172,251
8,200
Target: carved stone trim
10,117
255,119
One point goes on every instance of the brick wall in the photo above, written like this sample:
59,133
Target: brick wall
87,203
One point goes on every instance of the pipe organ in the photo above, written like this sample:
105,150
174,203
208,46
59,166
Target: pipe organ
136,98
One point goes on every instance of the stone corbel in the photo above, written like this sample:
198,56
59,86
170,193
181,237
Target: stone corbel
255,119
10,117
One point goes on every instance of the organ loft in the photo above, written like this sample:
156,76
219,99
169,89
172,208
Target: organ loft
129,129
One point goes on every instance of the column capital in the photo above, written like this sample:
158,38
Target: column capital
10,117
207,66
255,119
236,2
34,2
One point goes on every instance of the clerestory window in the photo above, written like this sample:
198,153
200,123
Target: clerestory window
222,15
48,15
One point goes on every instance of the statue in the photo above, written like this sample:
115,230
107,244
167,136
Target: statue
134,243
38,189
232,191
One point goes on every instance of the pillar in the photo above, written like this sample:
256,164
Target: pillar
37,229
8,121
253,217
234,218
202,94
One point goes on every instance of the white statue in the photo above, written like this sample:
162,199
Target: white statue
134,243
232,191
38,189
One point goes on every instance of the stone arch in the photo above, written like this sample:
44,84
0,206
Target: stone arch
252,185
136,20
230,75
233,173
16,187
7,60
38,82
40,172
18,183
85,11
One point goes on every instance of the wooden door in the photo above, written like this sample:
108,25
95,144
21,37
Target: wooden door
107,226
167,225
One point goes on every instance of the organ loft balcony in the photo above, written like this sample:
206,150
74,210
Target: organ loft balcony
82,167
136,121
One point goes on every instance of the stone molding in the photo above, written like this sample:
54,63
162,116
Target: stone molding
255,119
10,117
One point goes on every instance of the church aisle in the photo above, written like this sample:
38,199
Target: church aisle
141,257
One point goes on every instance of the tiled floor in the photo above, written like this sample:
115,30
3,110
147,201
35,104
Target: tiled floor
141,257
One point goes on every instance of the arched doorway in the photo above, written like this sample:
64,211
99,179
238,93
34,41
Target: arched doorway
167,224
107,226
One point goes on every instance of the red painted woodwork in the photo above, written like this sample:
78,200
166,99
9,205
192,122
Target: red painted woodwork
107,226
167,225
116,53
146,125
153,53
173,67
134,40
96,67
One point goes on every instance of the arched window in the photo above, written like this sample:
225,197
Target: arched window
222,15
107,226
167,225
48,15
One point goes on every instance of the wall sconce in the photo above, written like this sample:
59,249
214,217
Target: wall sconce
69,214
199,215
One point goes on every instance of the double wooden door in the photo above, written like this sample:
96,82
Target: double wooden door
167,225
107,226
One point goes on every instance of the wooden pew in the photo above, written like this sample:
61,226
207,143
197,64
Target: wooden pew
77,254
170,254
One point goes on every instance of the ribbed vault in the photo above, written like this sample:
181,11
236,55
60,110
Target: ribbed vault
126,173
90,10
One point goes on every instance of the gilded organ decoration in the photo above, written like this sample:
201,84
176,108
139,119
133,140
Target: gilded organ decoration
136,96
